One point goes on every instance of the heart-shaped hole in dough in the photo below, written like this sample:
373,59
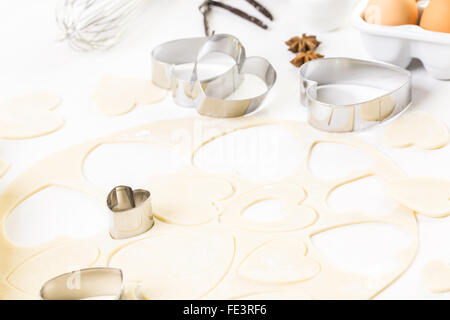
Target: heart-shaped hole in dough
265,211
328,161
371,249
371,199
258,153
55,211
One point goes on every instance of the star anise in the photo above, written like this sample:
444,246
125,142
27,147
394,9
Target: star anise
304,57
303,44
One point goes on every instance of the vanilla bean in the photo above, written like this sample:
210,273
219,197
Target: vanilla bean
238,12
261,8
205,9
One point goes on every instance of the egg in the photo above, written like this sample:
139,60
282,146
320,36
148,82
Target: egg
436,16
392,12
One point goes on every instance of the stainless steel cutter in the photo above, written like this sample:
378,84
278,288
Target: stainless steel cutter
209,96
131,212
393,84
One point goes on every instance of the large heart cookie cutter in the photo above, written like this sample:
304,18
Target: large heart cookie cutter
208,103
393,83
208,96
167,56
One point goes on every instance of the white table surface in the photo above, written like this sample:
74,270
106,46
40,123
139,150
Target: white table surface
32,60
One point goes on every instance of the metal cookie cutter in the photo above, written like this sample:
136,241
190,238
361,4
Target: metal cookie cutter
209,103
131,212
209,96
167,56
87,283
392,85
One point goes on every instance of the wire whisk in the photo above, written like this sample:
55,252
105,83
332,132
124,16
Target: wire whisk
94,24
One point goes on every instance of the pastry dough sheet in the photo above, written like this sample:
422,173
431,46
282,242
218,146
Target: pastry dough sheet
201,246
117,95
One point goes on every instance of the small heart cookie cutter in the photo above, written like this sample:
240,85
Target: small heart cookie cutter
89,283
131,212
393,81
208,96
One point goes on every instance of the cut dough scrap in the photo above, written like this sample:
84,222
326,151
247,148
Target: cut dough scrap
427,196
4,166
295,215
417,128
116,95
34,272
185,200
280,261
276,295
177,266
436,276
30,116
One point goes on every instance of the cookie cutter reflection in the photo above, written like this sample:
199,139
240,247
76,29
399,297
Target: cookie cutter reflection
90,283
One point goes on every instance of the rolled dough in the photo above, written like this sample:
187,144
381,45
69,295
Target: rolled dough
200,245
182,266
116,95
280,262
195,198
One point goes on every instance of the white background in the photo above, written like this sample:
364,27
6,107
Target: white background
32,59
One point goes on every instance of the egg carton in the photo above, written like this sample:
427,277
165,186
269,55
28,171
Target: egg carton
400,44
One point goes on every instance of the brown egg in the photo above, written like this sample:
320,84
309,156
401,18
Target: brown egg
436,16
392,12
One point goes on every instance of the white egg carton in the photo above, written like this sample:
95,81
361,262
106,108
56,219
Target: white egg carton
400,44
